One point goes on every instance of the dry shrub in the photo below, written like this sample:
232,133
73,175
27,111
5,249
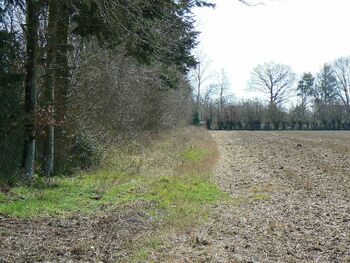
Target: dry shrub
116,98
161,153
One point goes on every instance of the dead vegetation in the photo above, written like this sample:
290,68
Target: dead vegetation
162,188
294,200
289,201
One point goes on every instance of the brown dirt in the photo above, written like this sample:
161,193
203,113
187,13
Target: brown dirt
74,239
289,202
290,196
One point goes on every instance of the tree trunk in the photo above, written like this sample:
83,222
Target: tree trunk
30,101
61,81
49,86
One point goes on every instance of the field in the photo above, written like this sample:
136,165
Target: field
193,196
291,200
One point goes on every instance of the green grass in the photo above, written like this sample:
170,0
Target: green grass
195,154
63,196
2,197
185,189
182,197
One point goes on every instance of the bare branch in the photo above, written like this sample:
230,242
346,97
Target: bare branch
272,79
251,4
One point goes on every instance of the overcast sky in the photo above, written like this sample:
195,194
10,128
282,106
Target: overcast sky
303,34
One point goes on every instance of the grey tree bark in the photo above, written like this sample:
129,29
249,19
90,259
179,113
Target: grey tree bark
49,86
30,102
61,76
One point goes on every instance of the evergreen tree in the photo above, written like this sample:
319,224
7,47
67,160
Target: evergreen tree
305,88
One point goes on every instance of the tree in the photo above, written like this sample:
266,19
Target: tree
223,87
208,102
304,91
198,76
325,96
274,80
341,67
152,30
30,102
160,35
11,109
305,88
326,84
49,87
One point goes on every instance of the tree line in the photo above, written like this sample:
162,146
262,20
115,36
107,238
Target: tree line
78,75
307,102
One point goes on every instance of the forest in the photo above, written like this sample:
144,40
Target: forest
77,76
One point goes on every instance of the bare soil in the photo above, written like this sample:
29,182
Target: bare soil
77,238
291,200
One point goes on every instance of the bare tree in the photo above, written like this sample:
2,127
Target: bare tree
341,68
199,75
223,86
274,80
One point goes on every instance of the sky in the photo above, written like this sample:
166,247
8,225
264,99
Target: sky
303,34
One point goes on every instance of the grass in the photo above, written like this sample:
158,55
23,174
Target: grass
195,154
173,172
64,196
184,189
86,192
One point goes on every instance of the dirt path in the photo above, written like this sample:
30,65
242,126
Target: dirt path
291,200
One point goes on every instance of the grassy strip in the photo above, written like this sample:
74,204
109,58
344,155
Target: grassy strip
64,196
173,172
86,192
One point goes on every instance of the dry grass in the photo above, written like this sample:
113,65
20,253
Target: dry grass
143,194
294,188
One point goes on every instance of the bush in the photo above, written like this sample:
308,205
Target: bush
86,152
